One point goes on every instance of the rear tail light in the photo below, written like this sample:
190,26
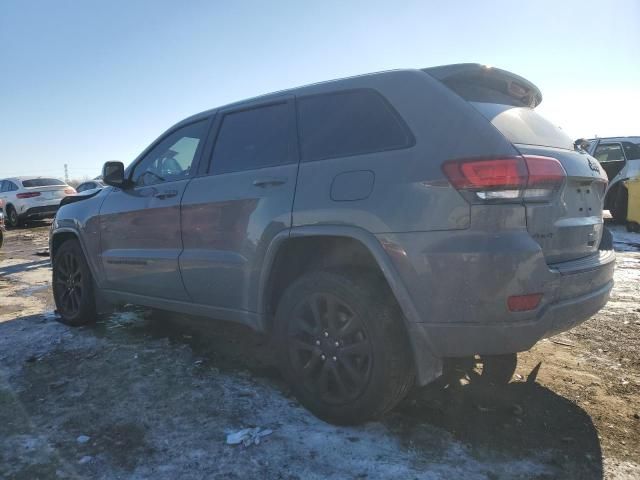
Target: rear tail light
506,179
69,191
546,176
28,194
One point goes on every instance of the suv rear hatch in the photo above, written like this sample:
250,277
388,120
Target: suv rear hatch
45,189
568,223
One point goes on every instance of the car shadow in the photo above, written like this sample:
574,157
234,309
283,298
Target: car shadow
23,267
521,420
29,224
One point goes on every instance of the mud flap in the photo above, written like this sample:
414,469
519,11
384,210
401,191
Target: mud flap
428,366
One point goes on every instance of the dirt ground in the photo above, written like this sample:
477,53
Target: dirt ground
142,397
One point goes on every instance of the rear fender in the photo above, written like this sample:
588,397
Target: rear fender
428,366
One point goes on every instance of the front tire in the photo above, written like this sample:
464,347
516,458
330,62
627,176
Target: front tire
73,285
342,346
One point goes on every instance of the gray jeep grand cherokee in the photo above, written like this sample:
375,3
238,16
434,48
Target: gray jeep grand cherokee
376,227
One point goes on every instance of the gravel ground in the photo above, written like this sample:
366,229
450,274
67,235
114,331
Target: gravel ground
141,397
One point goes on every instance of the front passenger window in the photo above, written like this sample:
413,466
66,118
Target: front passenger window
172,158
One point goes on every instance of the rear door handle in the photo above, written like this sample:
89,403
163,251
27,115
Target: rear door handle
165,194
269,181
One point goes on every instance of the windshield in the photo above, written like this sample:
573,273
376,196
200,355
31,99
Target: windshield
524,125
42,182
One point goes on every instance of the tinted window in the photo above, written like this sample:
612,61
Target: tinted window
3,186
42,182
349,123
524,125
631,150
85,186
253,139
12,187
172,158
609,152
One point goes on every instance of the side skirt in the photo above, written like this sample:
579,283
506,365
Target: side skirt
251,319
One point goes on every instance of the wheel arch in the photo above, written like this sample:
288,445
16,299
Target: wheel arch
58,238
63,234
327,246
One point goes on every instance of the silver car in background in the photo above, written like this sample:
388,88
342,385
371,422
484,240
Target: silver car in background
31,198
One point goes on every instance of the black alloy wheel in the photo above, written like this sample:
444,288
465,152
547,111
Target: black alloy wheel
330,349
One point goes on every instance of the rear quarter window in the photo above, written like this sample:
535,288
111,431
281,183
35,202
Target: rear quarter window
346,123
42,182
524,125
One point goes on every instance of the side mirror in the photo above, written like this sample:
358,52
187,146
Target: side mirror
113,174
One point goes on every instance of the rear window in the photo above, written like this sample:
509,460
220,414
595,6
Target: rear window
524,125
346,123
42,182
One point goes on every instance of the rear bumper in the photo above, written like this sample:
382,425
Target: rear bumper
492,339
459,284
44,211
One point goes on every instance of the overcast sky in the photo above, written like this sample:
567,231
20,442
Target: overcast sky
83,82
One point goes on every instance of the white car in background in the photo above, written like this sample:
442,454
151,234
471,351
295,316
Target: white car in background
31,198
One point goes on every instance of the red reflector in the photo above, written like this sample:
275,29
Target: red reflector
544,171
28,195
487,174
521,303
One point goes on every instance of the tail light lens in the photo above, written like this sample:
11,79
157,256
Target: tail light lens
28,194
506,179
546,176
69,191
523,303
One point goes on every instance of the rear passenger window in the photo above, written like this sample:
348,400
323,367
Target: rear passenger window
252,139
609,153
347,123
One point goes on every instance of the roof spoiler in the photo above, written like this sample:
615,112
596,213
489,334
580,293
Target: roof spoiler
475,82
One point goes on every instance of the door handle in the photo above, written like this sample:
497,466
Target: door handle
165,194
269,181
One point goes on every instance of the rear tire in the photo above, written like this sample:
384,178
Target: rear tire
494,370
342,346
620,205
73,286
498,369
13,220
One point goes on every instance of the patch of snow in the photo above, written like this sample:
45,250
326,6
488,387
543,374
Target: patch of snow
624,241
